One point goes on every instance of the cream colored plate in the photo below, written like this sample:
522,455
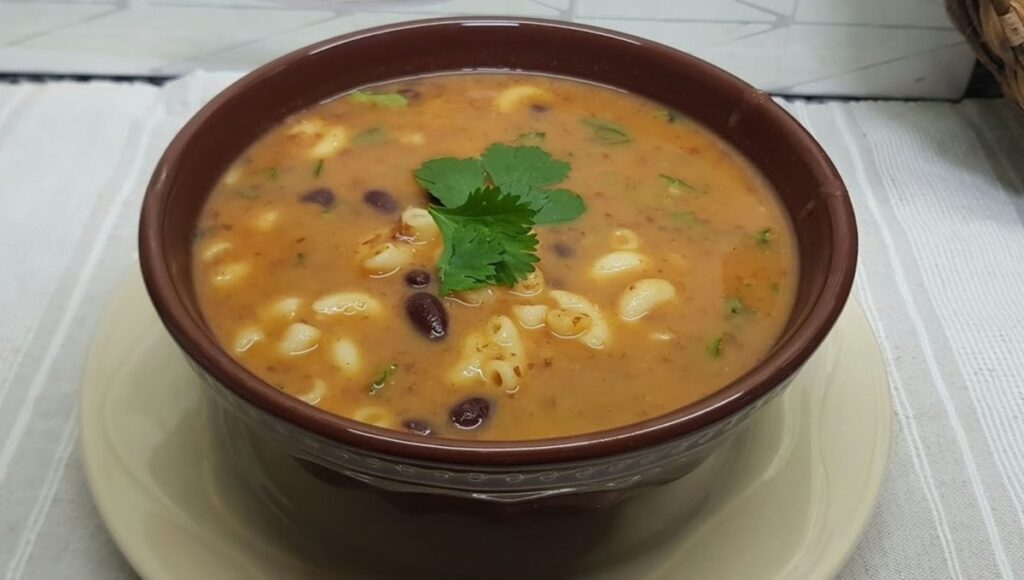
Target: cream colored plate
789,495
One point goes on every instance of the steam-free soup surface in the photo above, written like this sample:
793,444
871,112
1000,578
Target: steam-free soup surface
674,281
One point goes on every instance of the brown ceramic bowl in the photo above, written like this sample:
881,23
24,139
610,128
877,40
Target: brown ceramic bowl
593,467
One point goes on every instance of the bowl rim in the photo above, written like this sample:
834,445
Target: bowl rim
780,364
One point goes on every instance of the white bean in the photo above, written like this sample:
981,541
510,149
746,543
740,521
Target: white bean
530,315
617,263
387,258
347,304
643,296
299,338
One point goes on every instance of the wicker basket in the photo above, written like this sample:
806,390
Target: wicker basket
995,30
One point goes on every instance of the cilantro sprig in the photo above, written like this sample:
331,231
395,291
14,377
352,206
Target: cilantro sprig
488,208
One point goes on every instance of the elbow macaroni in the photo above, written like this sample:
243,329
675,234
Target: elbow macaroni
532,285
314,394
417,226
530,316
599,334
519,96
643,296
618,262
386,259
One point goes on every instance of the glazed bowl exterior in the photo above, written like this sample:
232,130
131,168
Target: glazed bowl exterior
590,469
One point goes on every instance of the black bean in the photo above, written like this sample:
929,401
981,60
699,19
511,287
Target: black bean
321,196
409,94
419,427
417,278
427,315
563,250
539,108
471,413
381,201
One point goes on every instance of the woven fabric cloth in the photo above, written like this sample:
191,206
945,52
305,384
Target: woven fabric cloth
938,192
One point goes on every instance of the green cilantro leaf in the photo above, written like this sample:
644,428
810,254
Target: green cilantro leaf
390,100
383,378
736,307
606,131
715,348
450,179
764,237
525,172
676,185
532,138
371,136
488,240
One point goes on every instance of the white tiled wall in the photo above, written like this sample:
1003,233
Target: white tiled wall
902,48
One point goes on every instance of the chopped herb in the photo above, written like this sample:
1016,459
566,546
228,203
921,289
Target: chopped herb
488,240
735,307
715,348
371,136
382,378
202,233
606,131
390,100
676,185
764,237
318,168
669,116
686,219
300,258
532,138
272,173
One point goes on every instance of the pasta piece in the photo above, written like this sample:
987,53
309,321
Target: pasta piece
345,355
643,296
332,140
247,337
532,285
347,304
315,393
299,338
266,220
475,351
618,263
374,415
307,126
417,227
412,139
530,316
503,374
567,324
474,297
599,334
625,239
519,96
229,274
505,334
213,250
232,175
387,258
286,308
